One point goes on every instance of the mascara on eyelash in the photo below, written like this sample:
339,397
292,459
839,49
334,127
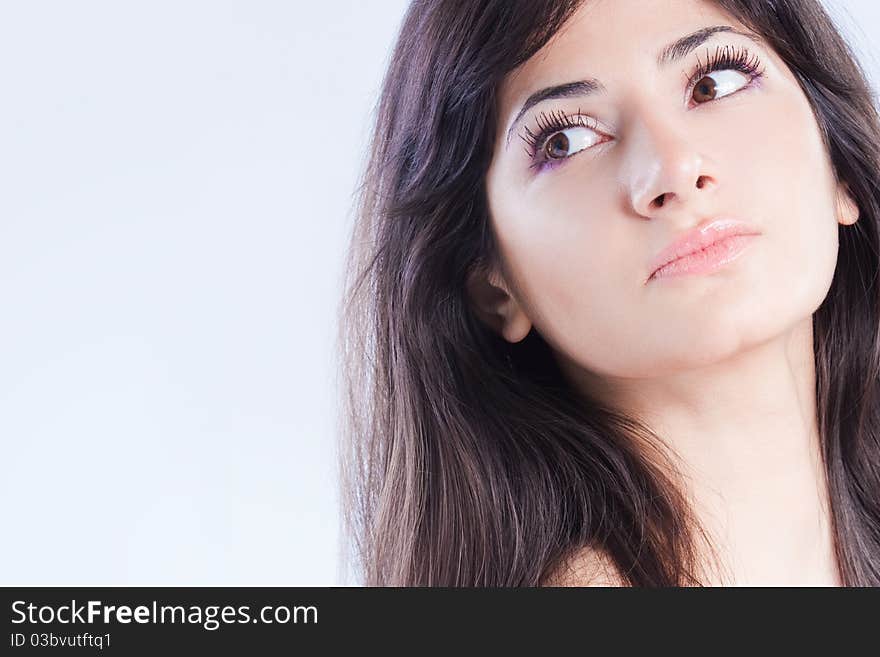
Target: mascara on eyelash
554,122
728,57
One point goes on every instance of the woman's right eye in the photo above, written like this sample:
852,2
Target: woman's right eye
564,144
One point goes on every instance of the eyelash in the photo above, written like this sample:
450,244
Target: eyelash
724,58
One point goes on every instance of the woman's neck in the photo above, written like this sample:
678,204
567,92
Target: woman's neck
744,433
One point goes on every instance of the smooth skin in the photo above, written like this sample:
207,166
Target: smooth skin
721,365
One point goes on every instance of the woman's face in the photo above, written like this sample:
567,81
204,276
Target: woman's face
580,222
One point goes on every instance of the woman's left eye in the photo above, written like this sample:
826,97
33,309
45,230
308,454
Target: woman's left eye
725,82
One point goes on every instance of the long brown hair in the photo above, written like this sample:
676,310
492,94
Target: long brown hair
469,461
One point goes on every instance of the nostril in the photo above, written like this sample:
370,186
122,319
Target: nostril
658,202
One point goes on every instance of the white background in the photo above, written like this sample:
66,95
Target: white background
176,184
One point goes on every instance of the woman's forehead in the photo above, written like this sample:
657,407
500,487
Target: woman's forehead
604,38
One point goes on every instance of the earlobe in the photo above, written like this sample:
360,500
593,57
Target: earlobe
495,306
517,328
847,208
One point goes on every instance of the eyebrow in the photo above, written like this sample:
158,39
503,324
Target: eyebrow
670,54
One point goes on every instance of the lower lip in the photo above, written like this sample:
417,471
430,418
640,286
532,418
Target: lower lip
710,259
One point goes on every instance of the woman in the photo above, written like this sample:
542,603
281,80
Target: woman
541,386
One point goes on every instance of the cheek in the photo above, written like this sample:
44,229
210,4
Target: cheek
576,264
791,189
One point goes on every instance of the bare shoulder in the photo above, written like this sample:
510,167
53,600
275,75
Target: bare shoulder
587,567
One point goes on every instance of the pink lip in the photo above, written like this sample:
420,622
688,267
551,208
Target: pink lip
690,253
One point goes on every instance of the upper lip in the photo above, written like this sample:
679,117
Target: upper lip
704,234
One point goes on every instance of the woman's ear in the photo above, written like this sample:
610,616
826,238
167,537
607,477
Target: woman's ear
847,208
495,306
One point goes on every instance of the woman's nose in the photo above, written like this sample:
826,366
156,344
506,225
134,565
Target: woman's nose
664,168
